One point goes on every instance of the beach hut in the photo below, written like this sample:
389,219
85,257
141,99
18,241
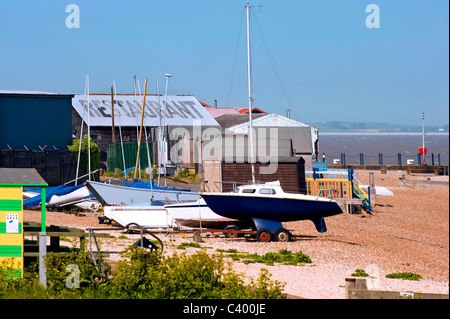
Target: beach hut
12,181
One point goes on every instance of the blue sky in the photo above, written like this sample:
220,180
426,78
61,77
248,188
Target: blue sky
332,66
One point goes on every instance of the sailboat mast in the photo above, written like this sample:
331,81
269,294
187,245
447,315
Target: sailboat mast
89,130
160,131
140,131
250,101
81,130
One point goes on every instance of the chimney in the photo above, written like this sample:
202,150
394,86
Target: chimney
288,113
215,104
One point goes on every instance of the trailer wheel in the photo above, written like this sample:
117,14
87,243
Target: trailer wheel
282,235
264,235
231,235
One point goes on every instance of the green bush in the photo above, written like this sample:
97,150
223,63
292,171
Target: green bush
184,245
184,277
360,273
84,154
141,274
284,257
404,276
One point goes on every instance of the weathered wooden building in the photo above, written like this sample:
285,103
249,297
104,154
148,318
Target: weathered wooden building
35,120
35,130
225,175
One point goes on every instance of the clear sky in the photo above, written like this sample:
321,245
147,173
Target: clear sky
332,66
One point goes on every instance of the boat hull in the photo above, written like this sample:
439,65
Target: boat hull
198,214
146,216
109,194
77,195
279,209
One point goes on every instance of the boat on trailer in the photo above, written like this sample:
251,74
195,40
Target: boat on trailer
198,215
268,206
145,215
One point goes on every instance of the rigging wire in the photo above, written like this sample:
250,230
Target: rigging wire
275,68
233,72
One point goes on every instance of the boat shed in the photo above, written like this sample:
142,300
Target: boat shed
275,135
35,120
180,111
35,130
226,175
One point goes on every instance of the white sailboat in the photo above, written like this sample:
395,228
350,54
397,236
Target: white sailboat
267,205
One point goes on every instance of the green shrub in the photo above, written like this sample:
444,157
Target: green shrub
84,154
184,245
284,257
184,277
141,274
404,276
360,273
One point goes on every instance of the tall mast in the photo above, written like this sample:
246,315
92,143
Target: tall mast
140,131
89,130
250,101
81,130
160,131
164,143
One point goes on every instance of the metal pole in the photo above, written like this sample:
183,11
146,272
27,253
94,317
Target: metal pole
112,116
423,138
250,101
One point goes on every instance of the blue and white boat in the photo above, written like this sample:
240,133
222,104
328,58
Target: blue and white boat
198,215
268,206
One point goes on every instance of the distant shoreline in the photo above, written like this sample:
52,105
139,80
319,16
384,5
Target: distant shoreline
382,133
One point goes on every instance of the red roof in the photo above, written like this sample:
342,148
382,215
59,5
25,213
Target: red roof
216,112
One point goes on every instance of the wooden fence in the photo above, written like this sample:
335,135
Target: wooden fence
55,166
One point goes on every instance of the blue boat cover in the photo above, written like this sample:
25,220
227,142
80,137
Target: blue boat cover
49,192
138,184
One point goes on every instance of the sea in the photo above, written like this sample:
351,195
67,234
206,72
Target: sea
388,144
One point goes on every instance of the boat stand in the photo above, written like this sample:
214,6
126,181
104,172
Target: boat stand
97,256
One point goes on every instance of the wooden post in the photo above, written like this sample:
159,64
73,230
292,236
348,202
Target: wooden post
350,283
373,195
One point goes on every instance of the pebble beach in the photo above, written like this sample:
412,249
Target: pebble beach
408,232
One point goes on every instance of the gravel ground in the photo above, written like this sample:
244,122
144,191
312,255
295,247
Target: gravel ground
408,232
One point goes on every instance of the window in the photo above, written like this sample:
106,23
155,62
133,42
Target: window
267,191
248,190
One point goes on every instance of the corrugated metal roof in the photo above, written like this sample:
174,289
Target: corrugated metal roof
227,121
239,122
36,93
21,176
180,110
216,112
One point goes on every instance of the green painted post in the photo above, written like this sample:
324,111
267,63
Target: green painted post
43,217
